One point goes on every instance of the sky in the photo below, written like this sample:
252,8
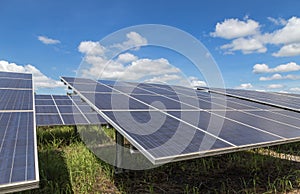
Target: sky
255,44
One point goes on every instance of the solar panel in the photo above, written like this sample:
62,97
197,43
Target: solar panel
64,110
290,102
175,123
18,144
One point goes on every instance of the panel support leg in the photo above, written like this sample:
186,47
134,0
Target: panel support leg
119,152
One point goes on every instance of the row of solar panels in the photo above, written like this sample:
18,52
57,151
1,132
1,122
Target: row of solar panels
166,123
170,123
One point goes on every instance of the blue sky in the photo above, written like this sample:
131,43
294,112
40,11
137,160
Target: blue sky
256,44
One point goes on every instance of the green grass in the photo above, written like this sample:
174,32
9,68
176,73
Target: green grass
67,166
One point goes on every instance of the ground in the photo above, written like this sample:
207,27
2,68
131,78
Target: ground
67,166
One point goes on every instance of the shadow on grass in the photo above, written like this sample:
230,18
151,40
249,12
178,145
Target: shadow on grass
243,172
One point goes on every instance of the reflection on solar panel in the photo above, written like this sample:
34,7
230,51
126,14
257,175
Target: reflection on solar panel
285,101
64,110
18,146
175,123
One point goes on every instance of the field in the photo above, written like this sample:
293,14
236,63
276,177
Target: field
67,166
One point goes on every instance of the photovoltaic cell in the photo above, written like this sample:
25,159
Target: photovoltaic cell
64,110
18,149
152,117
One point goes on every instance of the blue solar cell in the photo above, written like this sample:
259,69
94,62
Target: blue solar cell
71,119
46,109
95,118
43,97
60,97
86,109
47,120
16,99
114,101
44,102
63,102
68,109
15,75
15,83
16,140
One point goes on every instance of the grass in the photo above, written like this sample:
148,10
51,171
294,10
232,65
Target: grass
67,166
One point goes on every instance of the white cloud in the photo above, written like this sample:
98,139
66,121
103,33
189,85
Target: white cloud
91,48
278,21
297,89
247,37
40,80
278,76
246,45
195,82
127,57
288,50
234,28
273,77
164,78
263,68
134,40
46,40
126,66
275,86
290,33
245,86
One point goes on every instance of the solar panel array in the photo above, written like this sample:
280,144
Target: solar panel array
175,123
54,110
280,100
18,146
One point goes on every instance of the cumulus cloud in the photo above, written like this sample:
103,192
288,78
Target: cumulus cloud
40,79
296,89
127,57
234,28
91,48
288,50
164,78
245,86
278,76
290,33
134,40
46,40
195,82
246,45
275,86
248,38
263,68
125,66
